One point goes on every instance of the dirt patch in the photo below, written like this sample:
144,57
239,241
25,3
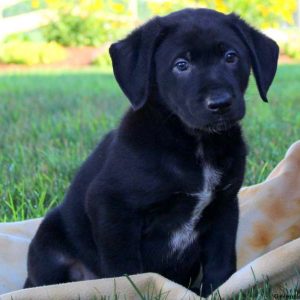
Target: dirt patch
83,57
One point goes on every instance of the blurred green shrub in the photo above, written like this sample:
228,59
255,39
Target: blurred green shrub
288,40
291,45
30,36
74,30
103,61
87,23
292,49
29,53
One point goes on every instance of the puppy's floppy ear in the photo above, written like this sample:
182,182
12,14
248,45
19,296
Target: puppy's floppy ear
263,54
132,62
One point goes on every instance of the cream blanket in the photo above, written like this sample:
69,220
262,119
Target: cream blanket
268,244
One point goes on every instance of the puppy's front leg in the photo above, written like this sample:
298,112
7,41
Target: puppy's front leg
117,232
219,254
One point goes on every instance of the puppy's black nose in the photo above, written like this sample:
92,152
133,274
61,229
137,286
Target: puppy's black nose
219,103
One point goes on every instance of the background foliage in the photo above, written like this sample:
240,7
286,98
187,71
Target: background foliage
87,23
74,30
95,23
103,14
262,14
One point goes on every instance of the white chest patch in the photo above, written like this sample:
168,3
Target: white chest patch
186,234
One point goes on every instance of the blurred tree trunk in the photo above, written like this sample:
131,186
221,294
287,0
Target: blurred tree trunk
298,13
133,8
134,12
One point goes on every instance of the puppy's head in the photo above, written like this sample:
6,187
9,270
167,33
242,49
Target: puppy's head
198,63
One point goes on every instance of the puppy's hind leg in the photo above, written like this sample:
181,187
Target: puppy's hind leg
47,265
50,258
51,267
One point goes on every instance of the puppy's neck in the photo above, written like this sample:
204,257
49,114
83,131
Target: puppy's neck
164,117
154,125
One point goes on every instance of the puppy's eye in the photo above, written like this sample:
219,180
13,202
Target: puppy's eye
231,57
182,65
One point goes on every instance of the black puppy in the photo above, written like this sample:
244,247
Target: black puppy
159,193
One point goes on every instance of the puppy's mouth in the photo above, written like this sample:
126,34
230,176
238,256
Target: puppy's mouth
220,126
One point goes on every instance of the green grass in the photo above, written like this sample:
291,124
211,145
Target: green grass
271,128
51,120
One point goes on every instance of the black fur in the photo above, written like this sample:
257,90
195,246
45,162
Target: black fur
137,188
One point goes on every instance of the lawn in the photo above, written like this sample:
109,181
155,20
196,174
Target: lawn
51,120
